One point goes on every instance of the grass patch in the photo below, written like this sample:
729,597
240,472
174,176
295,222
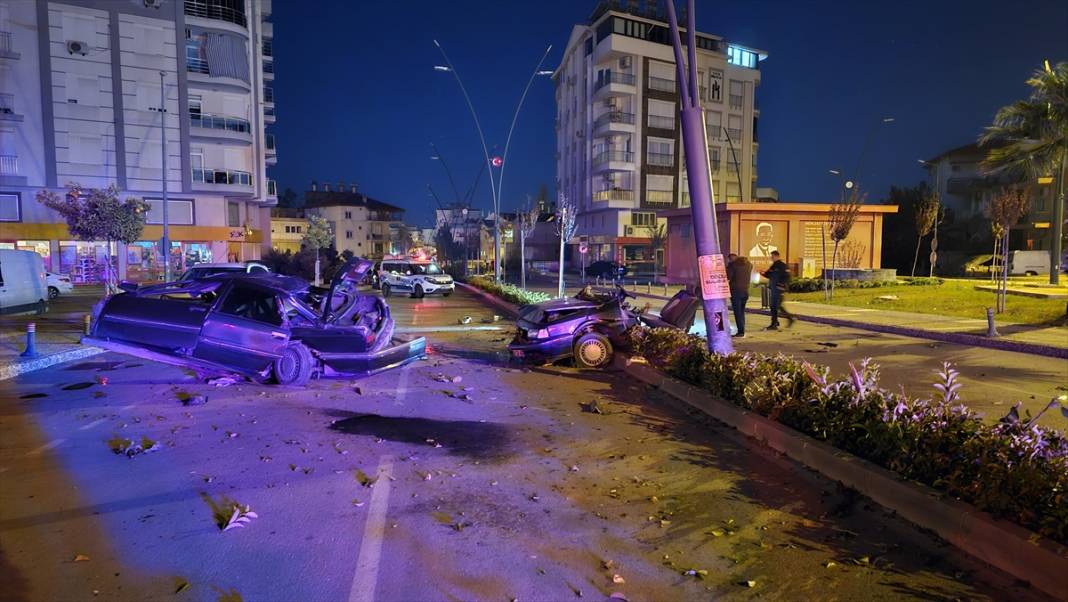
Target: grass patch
953,298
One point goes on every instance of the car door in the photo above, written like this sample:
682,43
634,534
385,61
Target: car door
244,329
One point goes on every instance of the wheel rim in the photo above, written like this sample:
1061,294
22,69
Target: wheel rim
593,352
287,366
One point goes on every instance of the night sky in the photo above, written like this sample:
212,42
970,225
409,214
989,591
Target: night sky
358,99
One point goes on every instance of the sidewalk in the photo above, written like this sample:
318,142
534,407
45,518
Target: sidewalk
59,333
1049,341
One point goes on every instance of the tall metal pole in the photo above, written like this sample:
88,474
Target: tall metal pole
706,235
1058,222
482,138
166,221
737,167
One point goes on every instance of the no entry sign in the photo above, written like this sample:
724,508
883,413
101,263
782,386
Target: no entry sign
713,274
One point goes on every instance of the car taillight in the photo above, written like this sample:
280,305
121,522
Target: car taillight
371,338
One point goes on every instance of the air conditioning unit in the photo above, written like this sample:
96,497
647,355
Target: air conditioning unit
624,62
628,230
75,47
153,3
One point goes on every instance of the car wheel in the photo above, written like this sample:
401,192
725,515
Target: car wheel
593,350
294,368
385,289
446,293
419,294
53,292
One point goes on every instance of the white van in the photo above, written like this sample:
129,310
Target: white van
1029,263
23,287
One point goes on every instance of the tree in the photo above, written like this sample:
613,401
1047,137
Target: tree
544,202
98,214
840,221
1029,139
404,238
925,213
657,241
445,244
289,198
319,236
1006,209
566,224
527,222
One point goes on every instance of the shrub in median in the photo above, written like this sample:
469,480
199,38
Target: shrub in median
509,292
811,285
1014,469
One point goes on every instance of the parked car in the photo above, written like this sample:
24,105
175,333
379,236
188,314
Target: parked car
415,277
606,269
204,270
262,325
591,325
58,283
23,285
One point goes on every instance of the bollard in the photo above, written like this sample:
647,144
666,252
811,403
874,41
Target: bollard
88,324
991,331
765,297
31,341
665,289
648,288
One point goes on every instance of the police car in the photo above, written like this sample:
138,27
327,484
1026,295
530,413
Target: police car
416,276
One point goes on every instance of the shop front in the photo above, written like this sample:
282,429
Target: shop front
41,247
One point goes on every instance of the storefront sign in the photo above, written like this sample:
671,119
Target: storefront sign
713,273
237,234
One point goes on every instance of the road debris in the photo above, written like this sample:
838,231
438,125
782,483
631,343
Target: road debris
591,407
222,381
131,448
363,479
81,558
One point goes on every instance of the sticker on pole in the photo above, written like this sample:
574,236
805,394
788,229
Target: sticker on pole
713,274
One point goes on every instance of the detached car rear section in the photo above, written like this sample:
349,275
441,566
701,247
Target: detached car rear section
264,326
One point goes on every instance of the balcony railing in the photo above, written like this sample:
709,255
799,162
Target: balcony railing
5,41
195,65
218,122
617,194
659,196
736,101
268,67
222,176
9,165
216,9
268,47
268,95
7,103
661,123
268,141
613,77
662,159
715,132
715,164
735,134
606,156
661,84
272,188
268,111
613,117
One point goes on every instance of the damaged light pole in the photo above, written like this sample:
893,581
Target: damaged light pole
711,267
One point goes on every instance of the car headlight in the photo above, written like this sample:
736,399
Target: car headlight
538,334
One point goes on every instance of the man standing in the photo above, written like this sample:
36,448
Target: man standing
739,271
778,276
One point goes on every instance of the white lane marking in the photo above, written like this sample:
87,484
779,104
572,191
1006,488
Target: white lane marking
402,386
447,328
366,577
46,447
129,406
86,427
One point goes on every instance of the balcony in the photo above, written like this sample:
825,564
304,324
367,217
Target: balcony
268,115
200,73
613,122
660,159
661,123
268,142
612,160
616,194
268,47
272,189
734,134
7,108
9,171
268,95
614,83
222,180
217,127
7,51
659,197
217,10
661,84
268,70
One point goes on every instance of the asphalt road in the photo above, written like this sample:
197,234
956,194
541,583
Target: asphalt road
491,483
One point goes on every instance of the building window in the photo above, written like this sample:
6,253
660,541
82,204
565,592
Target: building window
659,189
741,57
348,233
643,218
661,114
233,214
348,215
737,94
9,208
299,229
179,212
734,128
714,121
289,229
713,156
661,152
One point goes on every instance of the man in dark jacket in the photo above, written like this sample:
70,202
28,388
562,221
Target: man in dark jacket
739,271
778,275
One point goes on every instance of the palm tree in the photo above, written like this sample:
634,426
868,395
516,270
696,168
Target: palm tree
1029,139
657,241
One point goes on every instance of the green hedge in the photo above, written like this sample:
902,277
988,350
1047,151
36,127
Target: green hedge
1013,469
509,292
811,285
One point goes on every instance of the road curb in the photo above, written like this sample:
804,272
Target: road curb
9,370
1007,546
958,338
508,308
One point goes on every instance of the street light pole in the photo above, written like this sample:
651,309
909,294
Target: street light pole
710,262
864,149
166,221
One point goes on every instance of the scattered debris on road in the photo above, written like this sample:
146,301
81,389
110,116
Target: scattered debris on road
222,381
229,514
363,479
131,447
591,407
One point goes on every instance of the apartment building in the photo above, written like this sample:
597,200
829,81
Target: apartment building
87,89
360,223
288,227
619,150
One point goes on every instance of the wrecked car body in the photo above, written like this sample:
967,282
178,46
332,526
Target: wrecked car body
264,326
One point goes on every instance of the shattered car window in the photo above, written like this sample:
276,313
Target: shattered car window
425,268
253,304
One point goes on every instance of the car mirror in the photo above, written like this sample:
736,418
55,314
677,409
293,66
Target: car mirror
128,286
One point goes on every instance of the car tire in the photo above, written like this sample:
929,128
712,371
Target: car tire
418,293
446,293
53,292
593,351
385,289
294,368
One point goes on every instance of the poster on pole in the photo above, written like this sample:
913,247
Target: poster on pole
713,273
